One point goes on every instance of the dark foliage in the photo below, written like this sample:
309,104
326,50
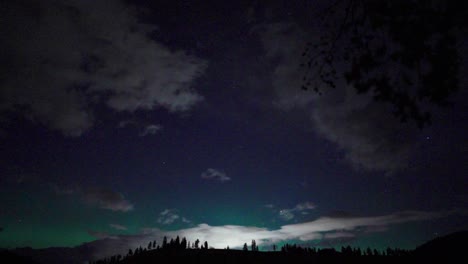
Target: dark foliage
450,245
441,249
9,257
402,52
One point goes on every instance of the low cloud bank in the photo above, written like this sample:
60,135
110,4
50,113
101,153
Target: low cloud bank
235,236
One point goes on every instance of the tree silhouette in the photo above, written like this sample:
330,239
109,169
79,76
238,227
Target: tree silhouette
402,52
253,246
177,243
293,253
183,243
197,242
164,245
171,243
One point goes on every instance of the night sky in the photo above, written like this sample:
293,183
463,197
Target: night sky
122,122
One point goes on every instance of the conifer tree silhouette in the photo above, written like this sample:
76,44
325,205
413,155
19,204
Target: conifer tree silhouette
253,245
177,242
164,245
183,243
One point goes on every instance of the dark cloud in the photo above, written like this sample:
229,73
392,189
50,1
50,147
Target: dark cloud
125,123
101,197
370,136
331,239
283,44
118,227
144,127
61,58
100,235
61,190
107,199
214,174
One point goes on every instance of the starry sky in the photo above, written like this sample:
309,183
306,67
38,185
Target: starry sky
128,121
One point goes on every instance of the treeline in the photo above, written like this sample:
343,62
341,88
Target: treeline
345,251
180,246
173,245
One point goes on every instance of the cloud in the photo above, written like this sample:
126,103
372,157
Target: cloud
271,206
101,235
145,128
61,190
356,125
288,213
100,197
150,130
118,227
168,217
214,174
125,123
321,229
304,206
107,199
333,235
353,122
284,44
64,58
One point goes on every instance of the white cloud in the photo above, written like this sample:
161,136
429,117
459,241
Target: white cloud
288,213
214,174
71,56
168,216
150,130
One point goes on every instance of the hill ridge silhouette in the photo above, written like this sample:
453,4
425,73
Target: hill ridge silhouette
444,249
